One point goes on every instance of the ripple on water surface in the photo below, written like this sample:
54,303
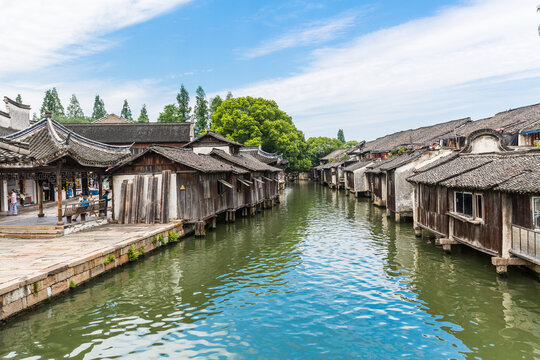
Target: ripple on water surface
320,276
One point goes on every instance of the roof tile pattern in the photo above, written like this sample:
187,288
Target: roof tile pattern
48,141
512,172
245,161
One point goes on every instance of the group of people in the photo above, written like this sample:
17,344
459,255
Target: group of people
83,202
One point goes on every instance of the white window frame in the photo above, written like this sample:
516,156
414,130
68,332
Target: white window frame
475,208
455,202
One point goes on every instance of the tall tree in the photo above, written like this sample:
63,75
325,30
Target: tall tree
341,136
229,96
126,111
51,103
257,121
214,104
99,108
143,117
58,105
183,104
74,109
169,114
200,112
18,99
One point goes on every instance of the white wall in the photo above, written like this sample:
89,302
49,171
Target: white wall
485,144
404,190
208,149
360,180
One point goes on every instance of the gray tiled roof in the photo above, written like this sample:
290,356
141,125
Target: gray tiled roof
245,161
12,152
214,135
507,122
357,165
423,136
49,140
200,162
128,133
499,171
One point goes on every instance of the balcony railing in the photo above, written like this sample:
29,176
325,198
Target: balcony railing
526,243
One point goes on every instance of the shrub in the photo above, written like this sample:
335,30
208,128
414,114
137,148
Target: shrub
109,259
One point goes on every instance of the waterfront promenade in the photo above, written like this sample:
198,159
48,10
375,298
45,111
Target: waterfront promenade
34,270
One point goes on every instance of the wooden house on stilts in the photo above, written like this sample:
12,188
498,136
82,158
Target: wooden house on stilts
486,197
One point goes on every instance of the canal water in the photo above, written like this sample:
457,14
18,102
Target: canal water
321,276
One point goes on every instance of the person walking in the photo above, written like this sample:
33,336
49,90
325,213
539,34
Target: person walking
105,198
13,203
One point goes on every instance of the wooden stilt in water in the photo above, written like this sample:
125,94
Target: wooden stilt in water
199,228
213,223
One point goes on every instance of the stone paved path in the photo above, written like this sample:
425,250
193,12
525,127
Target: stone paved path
23,257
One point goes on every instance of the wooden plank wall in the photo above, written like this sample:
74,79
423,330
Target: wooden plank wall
487,235
135,207
391,191
521,211
433,205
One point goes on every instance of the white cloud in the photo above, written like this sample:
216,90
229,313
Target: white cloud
36,33
430,68
312,34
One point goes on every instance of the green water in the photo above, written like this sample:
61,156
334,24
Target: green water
321,276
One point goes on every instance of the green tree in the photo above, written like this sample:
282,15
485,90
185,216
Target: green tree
35,117
183,104
99,108
143,117
51,103
341,136
169,114
214,103
350,143
18,99
200,112
74,109
321,146
257,121
126,111
229,96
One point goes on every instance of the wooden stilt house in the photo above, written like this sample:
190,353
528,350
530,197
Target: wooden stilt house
164,183
355,178
262,183
485,197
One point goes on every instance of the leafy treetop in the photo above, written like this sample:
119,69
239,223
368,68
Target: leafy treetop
126,111
257,121
143,117
99,108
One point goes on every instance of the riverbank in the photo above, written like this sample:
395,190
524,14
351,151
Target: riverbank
36,270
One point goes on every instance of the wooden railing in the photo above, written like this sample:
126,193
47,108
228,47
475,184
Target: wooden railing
526,243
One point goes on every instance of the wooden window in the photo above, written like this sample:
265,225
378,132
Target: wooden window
479,206
220,189
463,203
536,212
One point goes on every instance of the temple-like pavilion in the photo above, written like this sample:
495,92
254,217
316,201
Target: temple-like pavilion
49,153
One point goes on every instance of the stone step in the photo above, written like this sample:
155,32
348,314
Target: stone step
29,236
30,231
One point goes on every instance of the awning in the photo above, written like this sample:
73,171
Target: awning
226,183
245,183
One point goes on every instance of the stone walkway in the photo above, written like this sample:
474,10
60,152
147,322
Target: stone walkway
24,257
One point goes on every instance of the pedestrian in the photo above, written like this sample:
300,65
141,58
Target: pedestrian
105,198
13,203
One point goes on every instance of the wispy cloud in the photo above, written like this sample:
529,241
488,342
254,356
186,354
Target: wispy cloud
311,34
462,60
36,34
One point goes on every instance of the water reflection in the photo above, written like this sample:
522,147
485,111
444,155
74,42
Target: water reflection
321,276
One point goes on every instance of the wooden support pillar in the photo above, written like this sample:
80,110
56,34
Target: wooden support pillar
100,186
213,223
446,244
501,264
59,189
40,199
199,228
418,231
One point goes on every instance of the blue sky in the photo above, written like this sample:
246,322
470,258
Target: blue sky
369,67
